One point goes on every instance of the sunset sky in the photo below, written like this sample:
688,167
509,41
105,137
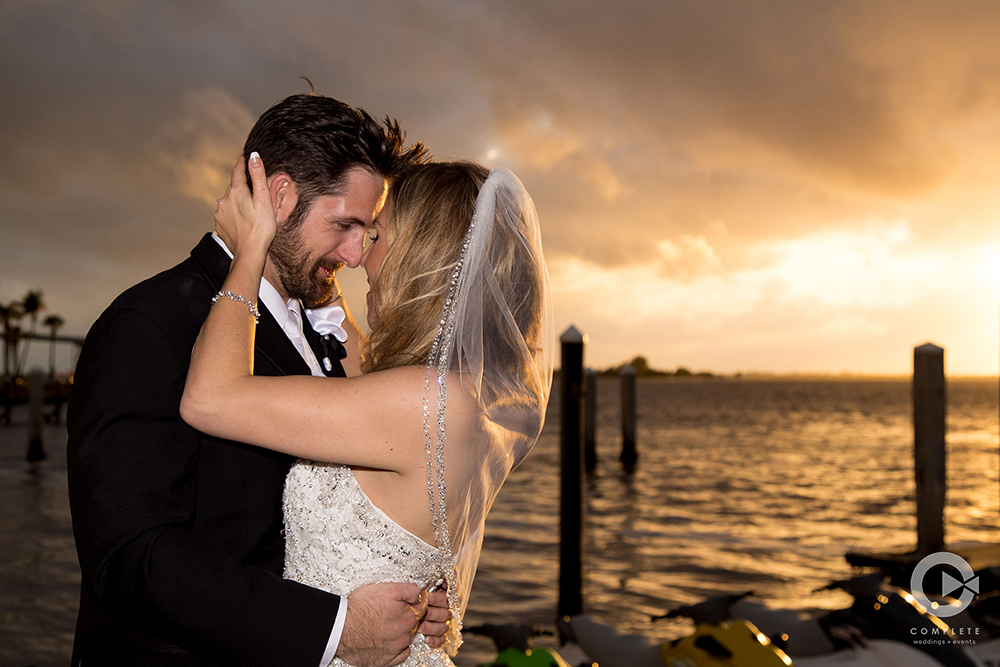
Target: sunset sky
779,186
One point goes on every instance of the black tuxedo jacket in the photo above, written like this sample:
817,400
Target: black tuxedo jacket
179,533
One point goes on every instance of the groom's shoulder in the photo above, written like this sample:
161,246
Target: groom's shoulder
177,299
178,284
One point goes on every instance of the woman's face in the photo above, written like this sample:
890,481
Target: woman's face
374,254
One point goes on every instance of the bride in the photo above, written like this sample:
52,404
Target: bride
398,466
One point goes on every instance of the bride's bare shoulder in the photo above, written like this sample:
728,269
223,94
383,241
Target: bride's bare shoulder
395,400
414,385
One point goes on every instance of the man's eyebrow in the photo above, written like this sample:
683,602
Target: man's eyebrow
352,220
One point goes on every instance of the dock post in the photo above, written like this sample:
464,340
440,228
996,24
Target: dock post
36,415
590,424
629,455
571,507
929,445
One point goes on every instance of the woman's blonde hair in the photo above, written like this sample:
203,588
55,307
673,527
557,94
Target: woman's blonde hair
430,210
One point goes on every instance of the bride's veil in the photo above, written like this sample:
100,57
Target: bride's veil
495,333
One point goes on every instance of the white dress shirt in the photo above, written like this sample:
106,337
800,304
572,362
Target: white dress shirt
289,317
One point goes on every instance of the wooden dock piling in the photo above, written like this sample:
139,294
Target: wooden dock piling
929,445
629,456
571,445
36,415
590,422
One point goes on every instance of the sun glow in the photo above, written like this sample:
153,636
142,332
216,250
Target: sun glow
860,286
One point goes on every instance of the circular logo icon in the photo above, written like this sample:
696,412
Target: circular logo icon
969,583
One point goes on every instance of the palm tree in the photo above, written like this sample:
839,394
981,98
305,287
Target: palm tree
32,305
10,313
54,323
5,316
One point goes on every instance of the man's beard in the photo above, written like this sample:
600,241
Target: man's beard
299,276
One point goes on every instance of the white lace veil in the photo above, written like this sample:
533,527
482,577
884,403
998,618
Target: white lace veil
496,334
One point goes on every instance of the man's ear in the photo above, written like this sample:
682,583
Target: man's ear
284,195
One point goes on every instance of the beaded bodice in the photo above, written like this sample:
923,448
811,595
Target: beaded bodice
337,540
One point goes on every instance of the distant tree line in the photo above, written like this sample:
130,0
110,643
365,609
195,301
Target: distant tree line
643,369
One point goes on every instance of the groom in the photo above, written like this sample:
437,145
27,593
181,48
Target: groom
179,533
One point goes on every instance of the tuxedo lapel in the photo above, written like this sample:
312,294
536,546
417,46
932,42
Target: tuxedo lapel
271,341
273,344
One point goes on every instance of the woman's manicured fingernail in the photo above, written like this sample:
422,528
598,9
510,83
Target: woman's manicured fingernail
255,159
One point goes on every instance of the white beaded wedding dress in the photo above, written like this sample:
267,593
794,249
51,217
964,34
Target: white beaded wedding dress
337,540
495,341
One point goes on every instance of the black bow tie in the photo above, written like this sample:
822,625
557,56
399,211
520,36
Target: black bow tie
329,351
333,350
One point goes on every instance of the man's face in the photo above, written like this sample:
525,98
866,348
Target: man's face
331,234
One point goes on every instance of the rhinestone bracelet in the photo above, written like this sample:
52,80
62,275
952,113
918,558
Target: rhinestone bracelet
241,299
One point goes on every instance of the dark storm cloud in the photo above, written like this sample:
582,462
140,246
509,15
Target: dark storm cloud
806,79
684,135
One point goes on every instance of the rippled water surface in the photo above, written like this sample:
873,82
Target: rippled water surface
741,485
39,574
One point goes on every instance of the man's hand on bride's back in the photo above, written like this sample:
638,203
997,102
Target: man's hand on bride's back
243,220
381,620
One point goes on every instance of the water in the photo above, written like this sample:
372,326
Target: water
741,485
39,574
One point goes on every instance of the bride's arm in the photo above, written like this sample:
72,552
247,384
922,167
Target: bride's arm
372,420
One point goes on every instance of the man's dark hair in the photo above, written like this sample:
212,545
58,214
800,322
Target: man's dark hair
316,140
